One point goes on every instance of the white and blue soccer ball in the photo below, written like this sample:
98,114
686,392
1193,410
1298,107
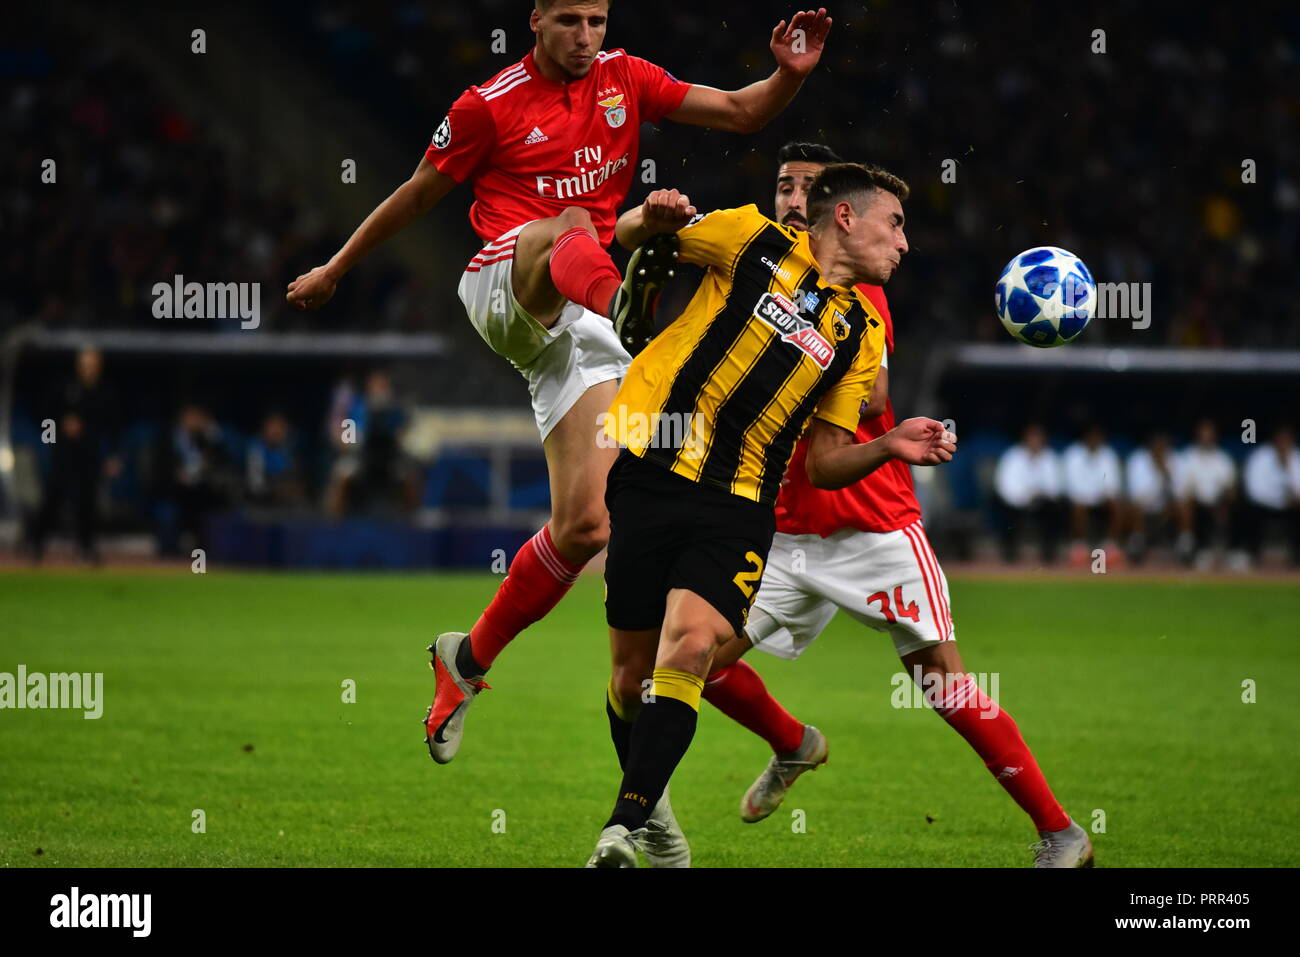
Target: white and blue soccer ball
1046,296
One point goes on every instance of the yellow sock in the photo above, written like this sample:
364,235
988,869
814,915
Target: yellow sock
681,685
618,706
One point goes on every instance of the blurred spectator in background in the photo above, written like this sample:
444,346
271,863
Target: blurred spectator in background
1093,486
371,474
85,436
1028,483
195,477
1208,481
272,475
1156,512
1272,486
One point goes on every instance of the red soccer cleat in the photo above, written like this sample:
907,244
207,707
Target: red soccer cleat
453,694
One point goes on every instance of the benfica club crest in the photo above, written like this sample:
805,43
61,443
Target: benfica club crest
615,111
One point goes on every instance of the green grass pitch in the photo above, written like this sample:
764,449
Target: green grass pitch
1129,692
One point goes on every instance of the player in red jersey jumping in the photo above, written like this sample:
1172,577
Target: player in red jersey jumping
549,147
863,549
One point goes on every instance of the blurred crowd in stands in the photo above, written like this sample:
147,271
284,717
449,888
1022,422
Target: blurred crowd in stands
1196,501
1191,184
1211,504
87,461
145,191
1051,145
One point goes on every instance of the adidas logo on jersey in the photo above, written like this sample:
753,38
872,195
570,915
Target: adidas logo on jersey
536,136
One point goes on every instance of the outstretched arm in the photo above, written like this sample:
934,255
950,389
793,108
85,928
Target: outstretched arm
797,48
835,460
416,196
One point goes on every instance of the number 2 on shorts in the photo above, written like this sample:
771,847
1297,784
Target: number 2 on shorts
745,580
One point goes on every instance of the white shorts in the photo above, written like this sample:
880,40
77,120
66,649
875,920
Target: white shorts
890,581
560,363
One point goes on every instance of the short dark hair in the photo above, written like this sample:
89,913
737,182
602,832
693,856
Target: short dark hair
844,181
812,152
544,5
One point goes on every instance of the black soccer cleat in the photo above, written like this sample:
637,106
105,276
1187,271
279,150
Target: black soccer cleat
632,310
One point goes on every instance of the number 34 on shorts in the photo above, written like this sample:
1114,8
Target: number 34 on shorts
901,609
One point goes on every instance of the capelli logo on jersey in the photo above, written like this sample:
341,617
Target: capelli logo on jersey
780,313
783,273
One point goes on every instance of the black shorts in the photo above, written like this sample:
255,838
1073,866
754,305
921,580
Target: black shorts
666,532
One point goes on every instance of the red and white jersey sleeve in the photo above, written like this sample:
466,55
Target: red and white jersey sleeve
659,92
529,147
463,141
884,501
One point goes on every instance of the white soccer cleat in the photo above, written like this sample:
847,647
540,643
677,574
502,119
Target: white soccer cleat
766,794
616,848
444,723
661,840
1067,848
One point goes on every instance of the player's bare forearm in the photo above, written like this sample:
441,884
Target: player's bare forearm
408,202
835,460
387,220
760,103
746,110
797,49
630,229
412,199
664,211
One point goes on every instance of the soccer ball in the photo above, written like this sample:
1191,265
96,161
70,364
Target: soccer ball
1045,296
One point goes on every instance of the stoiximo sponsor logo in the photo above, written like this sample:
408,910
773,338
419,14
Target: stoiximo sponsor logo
102,910
75,690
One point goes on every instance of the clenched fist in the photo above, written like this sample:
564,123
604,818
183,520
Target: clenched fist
312,290
666,211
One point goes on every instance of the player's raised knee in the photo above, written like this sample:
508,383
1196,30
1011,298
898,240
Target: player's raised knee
629,683
582,536
572,216
692,649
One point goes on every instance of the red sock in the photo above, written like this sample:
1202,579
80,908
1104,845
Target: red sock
539,577
994,736
739,693
582,271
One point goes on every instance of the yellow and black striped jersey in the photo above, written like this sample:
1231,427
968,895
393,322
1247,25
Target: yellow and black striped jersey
722,395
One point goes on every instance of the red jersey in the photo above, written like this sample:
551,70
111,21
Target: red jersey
530,146
884,501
